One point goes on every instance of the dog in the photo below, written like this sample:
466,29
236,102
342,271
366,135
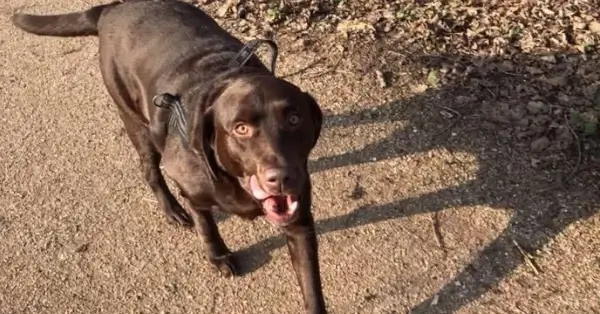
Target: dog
233,138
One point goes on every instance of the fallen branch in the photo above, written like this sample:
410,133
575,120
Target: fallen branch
457,117
575,169
528,258
435,222
579,153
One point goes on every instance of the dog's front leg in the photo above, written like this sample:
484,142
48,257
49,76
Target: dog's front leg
218,253
303,247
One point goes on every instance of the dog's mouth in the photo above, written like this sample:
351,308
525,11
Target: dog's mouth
279,209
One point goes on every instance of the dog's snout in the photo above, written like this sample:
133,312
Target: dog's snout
276,178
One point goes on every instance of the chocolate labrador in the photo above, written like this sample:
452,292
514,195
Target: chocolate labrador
233,138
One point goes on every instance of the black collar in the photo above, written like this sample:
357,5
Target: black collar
248,51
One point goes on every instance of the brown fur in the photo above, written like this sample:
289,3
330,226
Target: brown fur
153,47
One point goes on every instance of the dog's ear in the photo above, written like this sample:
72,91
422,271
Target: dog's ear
204,127
316,115
202,138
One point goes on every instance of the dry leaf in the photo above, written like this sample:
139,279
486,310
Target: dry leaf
354,26
556,81
381,79
535,107
540,144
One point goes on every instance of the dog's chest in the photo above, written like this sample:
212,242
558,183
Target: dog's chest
188,171
235,200
183,167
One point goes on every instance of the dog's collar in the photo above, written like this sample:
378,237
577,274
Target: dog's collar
248,51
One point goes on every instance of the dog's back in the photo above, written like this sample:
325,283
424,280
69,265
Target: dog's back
161,40
156,27
145,44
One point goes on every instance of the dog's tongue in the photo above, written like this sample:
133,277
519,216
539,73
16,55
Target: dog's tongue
276,207
256,190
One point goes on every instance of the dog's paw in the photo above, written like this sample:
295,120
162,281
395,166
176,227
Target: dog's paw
175,214
225,264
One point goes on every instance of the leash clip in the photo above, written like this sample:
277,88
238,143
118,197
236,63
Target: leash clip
177,117
165,100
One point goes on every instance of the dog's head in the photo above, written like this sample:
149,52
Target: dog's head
261,130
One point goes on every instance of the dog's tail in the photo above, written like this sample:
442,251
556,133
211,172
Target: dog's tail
82,23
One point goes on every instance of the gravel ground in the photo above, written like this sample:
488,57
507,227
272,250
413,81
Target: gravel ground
458,170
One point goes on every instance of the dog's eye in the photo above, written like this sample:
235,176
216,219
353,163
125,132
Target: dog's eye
293,119
242,129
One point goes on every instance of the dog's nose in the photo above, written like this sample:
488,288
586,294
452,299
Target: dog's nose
276,178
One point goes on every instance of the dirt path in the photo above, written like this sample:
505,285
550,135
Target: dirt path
439,193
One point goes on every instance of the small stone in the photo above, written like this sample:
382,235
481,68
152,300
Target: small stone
389,14
518,112
252,31
224,9
563,134
535,163
419,88
558,112
302,43
503,107
302,24
241,12
540,123
435,300
523,122
554,125
521,135
388,27
557,81
549,58
591,92
589,116
534,70
243,28
465,99
578,25
563,98
82,248
594,27
540,144
470,69
62,257
507,66
548,12
370,297
535,107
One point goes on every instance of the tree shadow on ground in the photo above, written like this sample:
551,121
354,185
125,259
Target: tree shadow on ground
487,117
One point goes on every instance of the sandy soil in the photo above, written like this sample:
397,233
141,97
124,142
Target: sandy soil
428,198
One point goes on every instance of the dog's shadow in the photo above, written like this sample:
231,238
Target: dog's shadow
502,181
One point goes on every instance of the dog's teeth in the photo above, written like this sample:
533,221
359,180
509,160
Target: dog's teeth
293,206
